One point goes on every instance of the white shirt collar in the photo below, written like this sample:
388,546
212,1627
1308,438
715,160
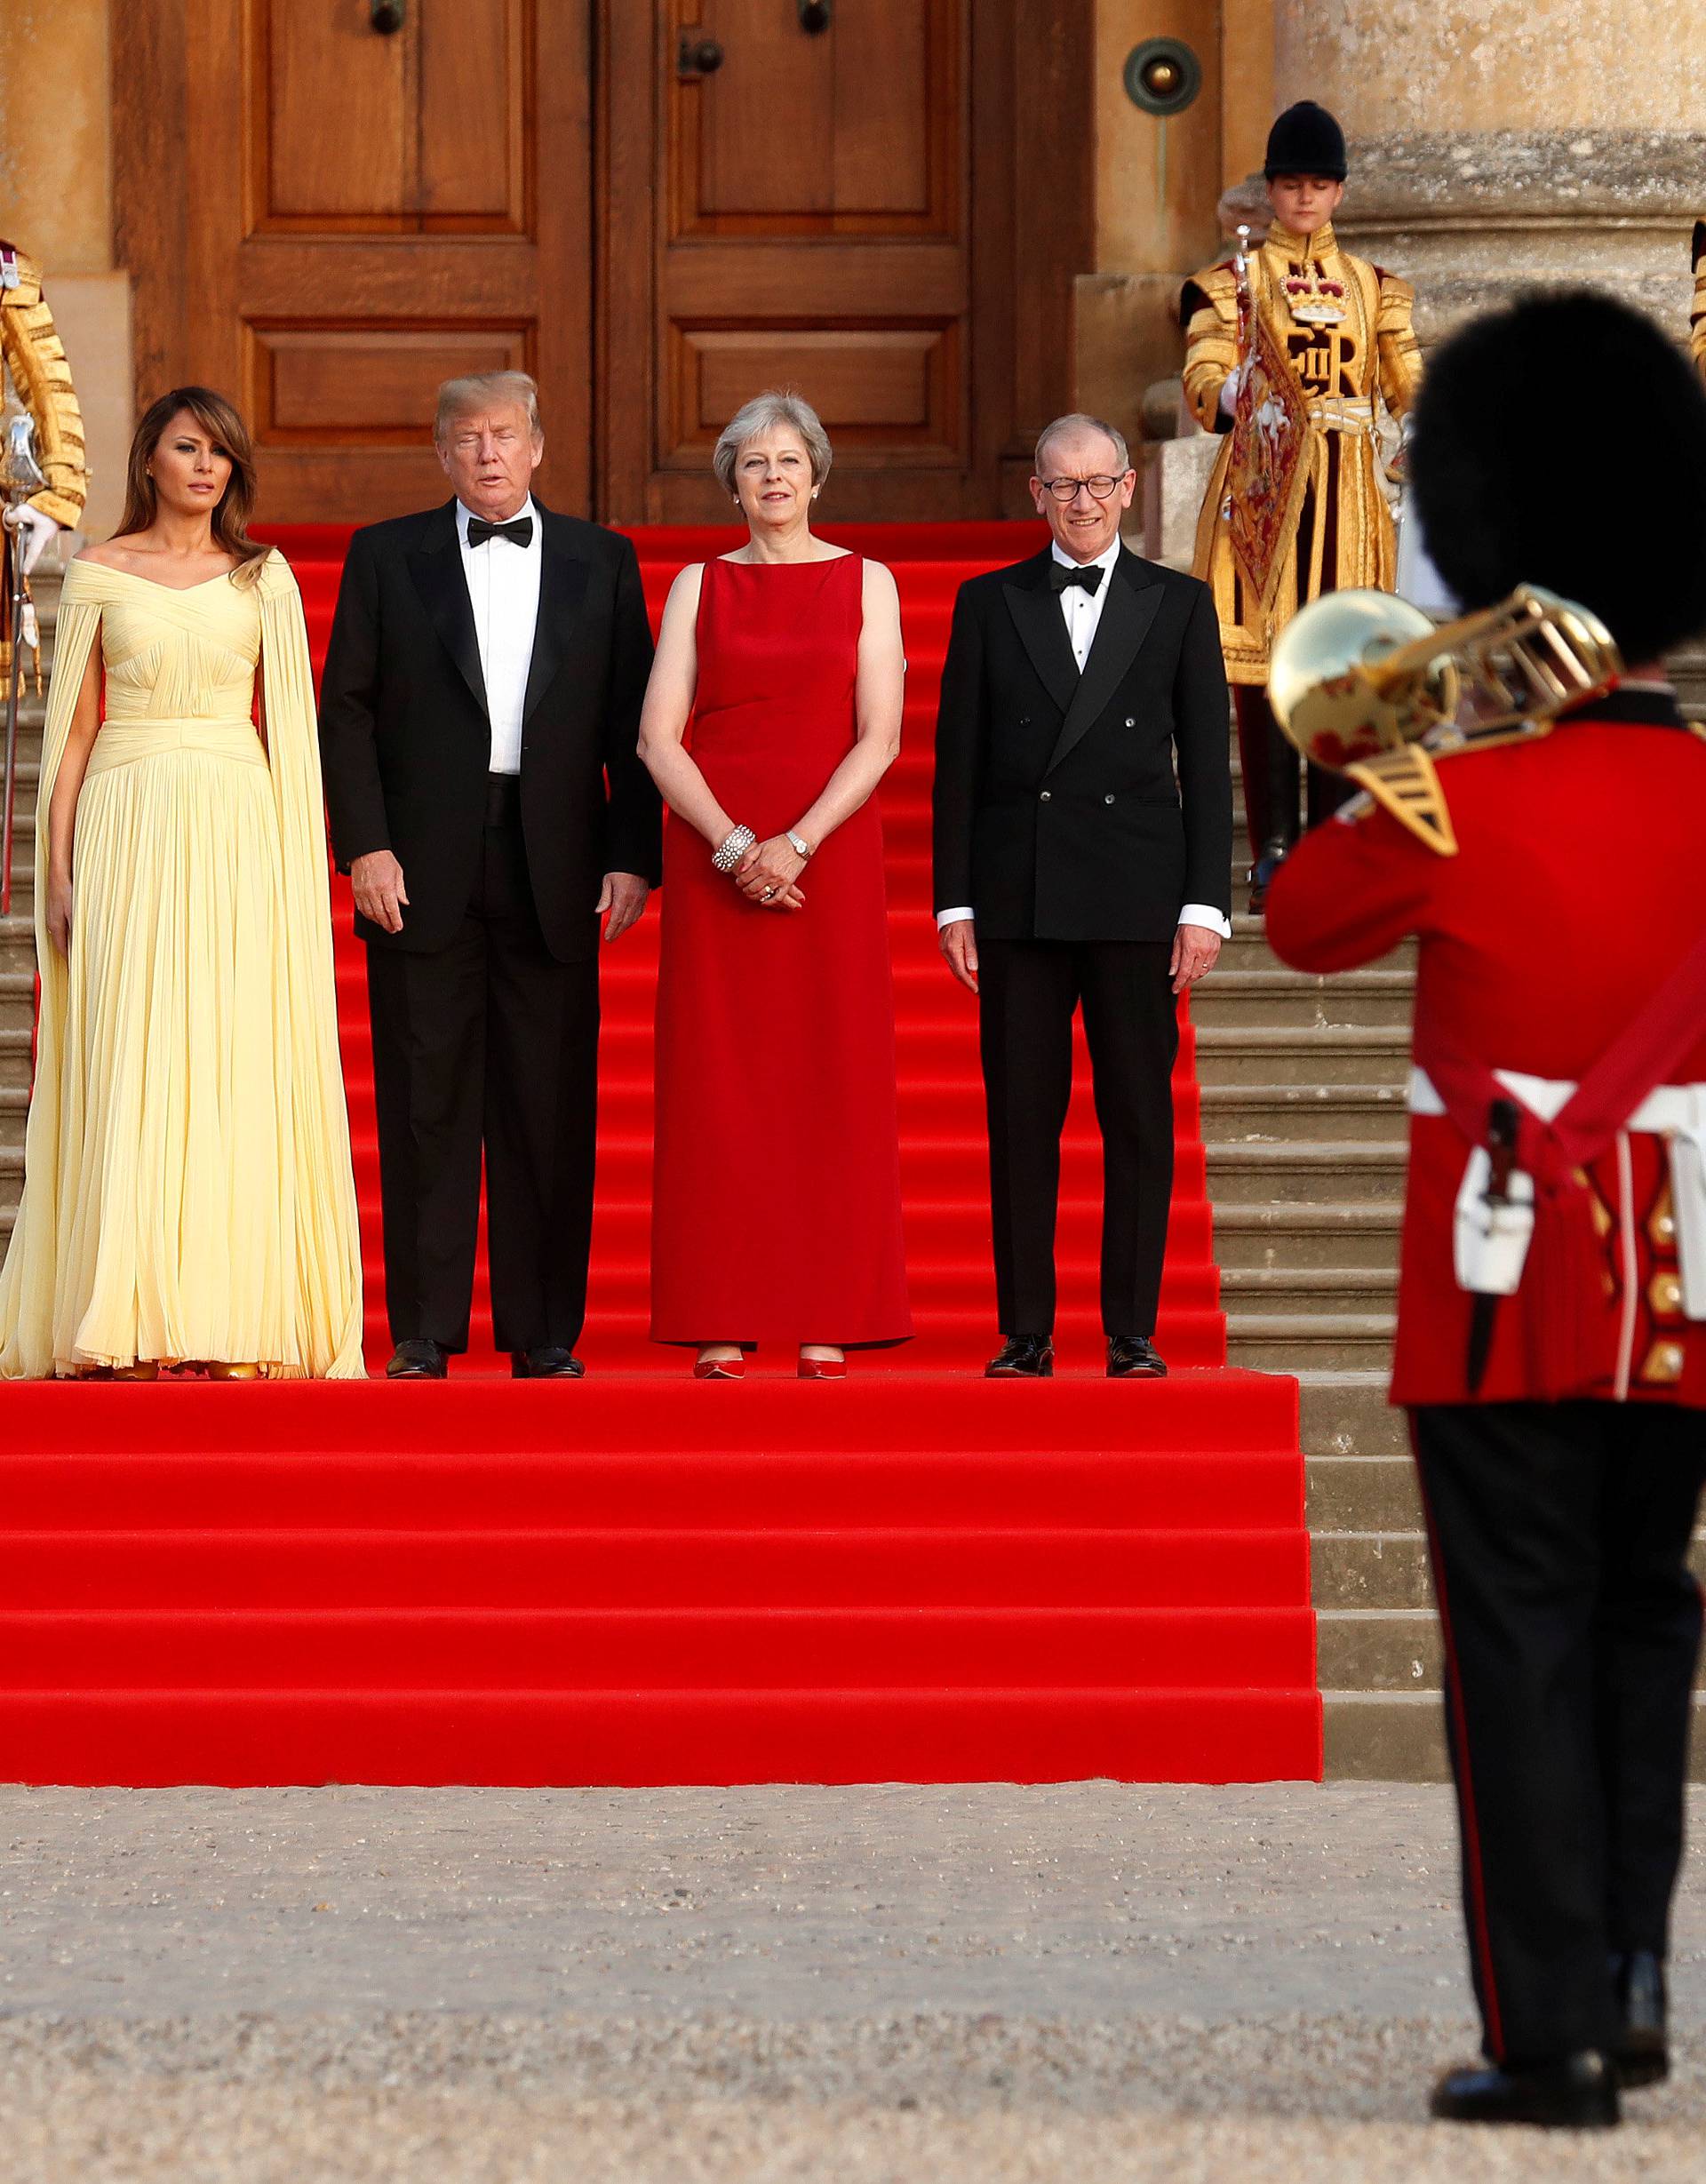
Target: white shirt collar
463,513
1103,560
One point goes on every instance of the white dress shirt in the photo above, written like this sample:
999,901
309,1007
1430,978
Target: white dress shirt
1082,613
503,581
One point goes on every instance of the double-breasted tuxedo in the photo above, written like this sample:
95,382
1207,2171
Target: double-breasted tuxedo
484,1007
1077,813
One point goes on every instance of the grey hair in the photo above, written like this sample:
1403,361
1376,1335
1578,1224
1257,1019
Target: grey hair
775,406
1076,421
478,391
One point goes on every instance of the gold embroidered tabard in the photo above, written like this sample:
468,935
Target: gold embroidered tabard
1344,326
32,364
1697,316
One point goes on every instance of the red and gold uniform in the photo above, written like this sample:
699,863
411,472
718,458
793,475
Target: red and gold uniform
1572,848
1697,316
33,363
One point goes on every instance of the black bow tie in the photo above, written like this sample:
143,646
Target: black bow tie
1061,577
518,530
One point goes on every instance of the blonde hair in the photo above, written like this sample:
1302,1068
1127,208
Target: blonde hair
775,406
478,390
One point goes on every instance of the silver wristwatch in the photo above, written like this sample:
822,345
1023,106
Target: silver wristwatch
797,844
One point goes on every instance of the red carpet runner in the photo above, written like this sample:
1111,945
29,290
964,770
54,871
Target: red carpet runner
915,1575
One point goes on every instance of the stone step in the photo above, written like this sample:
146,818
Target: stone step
1363,1493
1371,1569
1399,1737
1322,1174
1284,1235
1280,1341
1279,996
1290,1291
1236,1114
1302,1055
15,1062
1344,1412
1378,1649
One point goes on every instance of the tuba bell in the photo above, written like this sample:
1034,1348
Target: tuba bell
1359,674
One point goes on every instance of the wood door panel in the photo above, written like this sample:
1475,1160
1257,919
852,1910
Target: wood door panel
880,392
365,385
737,281
355,131
364,214
858,130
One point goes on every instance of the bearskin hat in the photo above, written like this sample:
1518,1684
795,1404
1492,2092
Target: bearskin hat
1562,441
1306,139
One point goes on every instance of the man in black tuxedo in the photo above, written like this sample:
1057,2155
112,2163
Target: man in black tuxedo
1083,858
479,720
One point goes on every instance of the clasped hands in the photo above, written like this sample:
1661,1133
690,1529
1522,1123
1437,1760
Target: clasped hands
766,875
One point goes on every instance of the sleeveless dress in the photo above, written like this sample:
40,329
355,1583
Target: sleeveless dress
775,1112
188,1187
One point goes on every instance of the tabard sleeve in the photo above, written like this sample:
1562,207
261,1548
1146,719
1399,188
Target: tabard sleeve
1208,311
35,356
1350,891
1396,349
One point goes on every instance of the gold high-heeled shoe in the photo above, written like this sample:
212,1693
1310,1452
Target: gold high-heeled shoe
145,1368
220,1369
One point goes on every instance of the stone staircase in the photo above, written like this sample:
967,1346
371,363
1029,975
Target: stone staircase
1304,1118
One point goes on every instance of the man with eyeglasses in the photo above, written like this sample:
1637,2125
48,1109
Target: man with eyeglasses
1083,837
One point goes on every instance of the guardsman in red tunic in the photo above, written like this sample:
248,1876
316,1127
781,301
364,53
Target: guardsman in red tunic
1551,1342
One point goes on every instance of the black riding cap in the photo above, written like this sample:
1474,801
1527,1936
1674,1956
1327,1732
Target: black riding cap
1306,139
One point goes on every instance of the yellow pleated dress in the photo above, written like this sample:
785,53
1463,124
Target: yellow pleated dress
188,1187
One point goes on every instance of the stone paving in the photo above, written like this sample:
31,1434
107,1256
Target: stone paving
204,1986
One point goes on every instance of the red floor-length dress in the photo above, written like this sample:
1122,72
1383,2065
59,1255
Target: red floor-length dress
776,1206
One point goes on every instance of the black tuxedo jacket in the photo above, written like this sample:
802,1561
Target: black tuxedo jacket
1059,814
405,742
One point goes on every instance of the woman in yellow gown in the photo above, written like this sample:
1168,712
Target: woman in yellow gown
188,1189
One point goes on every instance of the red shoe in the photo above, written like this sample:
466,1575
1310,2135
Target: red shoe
719,1368
823,1368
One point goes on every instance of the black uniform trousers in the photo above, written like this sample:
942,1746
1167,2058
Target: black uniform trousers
1029,991
490,1040
1559,1535
1271,765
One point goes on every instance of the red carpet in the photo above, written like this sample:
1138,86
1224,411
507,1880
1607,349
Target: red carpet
915,1575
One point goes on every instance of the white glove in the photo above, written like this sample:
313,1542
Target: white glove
1230,390
33,529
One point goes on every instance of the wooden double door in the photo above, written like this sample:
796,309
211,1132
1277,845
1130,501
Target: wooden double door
657,207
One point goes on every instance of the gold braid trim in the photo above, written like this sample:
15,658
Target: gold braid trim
1406,783
35,358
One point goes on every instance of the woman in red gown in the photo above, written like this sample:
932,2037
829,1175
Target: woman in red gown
776,1206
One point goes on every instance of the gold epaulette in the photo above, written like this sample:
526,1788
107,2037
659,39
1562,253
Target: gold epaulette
1406,783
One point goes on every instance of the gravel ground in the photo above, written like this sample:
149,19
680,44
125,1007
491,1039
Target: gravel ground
981,1984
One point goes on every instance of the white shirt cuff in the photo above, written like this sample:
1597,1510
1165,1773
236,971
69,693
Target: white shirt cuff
950,917
1200,913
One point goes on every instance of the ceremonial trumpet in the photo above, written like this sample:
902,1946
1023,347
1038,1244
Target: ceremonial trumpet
1356,674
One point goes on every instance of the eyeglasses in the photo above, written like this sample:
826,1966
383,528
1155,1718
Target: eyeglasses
1065,489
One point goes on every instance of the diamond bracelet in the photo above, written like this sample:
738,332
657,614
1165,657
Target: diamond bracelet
735,844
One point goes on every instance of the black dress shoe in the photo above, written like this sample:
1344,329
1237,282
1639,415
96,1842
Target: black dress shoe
1023,1356
1262,874
419,1357
1134,1357
550,1361
1642,2053
1579,2093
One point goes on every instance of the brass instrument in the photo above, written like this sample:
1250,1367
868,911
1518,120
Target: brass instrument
1357,674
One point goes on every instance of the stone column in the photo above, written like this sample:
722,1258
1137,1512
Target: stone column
1493,145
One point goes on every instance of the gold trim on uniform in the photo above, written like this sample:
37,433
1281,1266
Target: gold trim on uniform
1697,316
34,357
1664,1294
1345,325
1663,1364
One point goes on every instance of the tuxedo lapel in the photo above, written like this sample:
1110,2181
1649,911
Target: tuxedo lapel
435,566
1037,617
562,581
1132,605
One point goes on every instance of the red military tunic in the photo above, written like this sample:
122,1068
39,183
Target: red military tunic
1579,885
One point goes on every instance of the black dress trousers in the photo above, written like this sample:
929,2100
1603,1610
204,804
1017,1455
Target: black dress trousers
1030,991
489,1041
1559,1535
